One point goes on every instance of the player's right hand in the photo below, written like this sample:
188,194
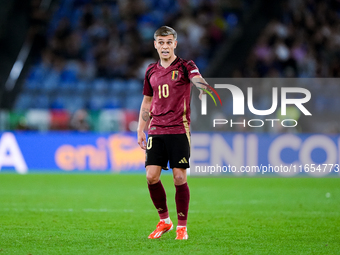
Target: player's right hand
142,140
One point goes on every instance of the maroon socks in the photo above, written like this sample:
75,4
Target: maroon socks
158,197
182,203
182,198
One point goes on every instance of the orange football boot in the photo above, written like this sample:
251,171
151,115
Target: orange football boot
181,233
161,228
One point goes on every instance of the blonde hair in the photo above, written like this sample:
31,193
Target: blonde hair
164,31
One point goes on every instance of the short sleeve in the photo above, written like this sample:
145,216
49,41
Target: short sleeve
192,69
147,89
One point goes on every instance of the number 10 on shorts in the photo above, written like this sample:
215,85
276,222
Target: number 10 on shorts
149,144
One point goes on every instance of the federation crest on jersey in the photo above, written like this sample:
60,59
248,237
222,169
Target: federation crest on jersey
174,75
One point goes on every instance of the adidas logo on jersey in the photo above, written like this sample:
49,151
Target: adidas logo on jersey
183,160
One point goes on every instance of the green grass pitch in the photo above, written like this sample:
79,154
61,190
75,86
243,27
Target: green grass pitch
113,214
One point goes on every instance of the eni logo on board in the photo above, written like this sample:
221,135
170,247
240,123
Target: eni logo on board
117,152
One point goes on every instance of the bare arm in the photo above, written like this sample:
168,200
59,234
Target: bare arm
143,118
199,82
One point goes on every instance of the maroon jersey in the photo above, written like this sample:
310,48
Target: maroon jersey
170,89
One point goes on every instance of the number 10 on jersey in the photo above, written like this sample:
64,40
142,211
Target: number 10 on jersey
163,90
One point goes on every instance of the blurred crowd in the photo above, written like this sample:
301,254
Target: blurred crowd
303,42
110,39
94,53
95,50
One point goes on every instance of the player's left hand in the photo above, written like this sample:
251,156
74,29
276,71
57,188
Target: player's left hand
200,95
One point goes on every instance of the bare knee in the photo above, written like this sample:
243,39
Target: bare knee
153,174
179,179
152,178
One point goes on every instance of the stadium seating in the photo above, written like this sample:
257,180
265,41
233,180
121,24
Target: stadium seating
95,57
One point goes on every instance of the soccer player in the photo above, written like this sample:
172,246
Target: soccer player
166,103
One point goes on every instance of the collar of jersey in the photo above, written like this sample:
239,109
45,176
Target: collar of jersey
172,63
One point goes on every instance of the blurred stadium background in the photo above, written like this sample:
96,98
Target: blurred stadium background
71,77
79,64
